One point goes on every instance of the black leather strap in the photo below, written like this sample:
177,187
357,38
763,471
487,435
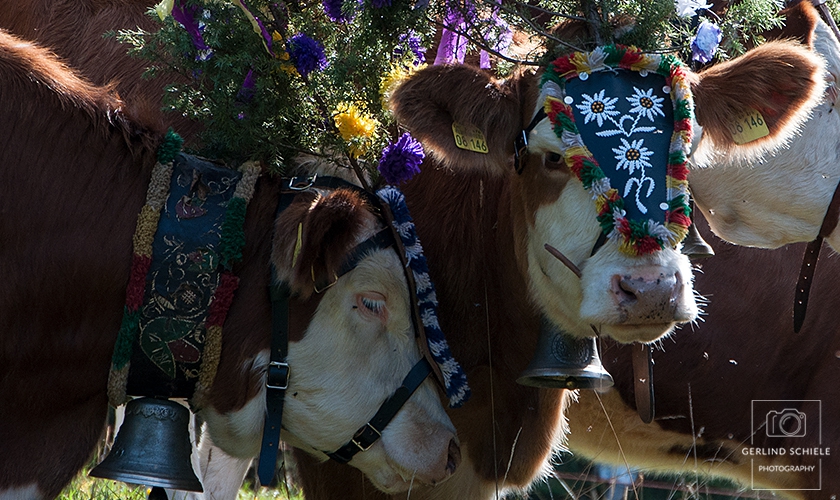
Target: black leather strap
371,431
809,261
643,381
383,239
277,381
520,144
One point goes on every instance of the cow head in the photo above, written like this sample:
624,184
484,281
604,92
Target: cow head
353,347
780,197
628,297
637,286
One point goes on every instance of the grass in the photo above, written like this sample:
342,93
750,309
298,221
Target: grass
84,487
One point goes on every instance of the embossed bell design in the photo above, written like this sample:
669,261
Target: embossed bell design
562,361
152,447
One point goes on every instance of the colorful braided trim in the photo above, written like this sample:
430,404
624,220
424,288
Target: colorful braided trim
454,378
230,250
634,237
144,234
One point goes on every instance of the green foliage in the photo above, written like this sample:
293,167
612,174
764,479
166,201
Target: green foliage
288,114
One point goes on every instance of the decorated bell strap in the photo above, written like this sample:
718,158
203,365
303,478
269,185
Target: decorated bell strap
454,378
177,300
615,101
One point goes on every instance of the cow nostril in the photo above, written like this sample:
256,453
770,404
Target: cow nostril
454,456
624,288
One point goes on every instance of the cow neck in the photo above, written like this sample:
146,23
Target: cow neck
278,371
809,261
812,251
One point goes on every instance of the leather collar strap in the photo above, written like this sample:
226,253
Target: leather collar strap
643,381
277,381
520,144
809,261
364,438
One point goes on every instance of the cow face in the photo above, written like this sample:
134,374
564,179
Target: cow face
629,297
781,197
354,352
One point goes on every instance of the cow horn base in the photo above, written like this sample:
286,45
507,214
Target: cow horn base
152,447
562,361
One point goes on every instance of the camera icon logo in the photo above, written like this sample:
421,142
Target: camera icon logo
789,422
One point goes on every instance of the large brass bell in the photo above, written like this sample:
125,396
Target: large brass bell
152,447
562,361
694,246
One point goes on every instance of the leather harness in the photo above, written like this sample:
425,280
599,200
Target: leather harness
277,376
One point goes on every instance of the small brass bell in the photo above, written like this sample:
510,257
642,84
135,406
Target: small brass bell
694,246
562,361
152,447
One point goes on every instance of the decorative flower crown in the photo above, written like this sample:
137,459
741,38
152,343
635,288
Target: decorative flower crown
635,237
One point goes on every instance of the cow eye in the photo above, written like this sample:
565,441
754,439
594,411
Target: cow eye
554,160
372,305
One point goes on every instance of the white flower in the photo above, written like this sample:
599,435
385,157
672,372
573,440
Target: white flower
688,8
597,107
646,104
632,156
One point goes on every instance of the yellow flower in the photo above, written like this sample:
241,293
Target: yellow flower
393,78
355,127
164,8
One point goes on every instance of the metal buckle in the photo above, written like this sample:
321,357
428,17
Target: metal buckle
358,435
302,183
284,371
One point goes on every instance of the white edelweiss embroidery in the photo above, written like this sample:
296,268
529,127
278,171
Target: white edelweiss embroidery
646,104
635,157
597,107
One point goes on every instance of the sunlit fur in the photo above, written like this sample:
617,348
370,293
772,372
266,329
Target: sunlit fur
783,197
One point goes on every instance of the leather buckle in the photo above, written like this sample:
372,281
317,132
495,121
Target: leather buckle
277,376
361,434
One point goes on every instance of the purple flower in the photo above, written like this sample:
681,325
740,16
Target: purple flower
412,41
381,3
186,15
401,160
306,54
246,92
334,11
704,45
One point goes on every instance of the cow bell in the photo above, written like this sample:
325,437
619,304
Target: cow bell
152,447
562,361
693,245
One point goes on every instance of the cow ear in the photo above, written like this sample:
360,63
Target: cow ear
435,98
314,235
800,24
775,85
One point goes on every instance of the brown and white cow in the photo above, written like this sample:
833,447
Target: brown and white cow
722,384
485,226
782,197
75,167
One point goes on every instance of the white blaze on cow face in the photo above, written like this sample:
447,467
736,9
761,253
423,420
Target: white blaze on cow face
627,298
355,353
782,197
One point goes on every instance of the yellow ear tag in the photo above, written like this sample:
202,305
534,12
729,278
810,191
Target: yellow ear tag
748,126
298,244
469,138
